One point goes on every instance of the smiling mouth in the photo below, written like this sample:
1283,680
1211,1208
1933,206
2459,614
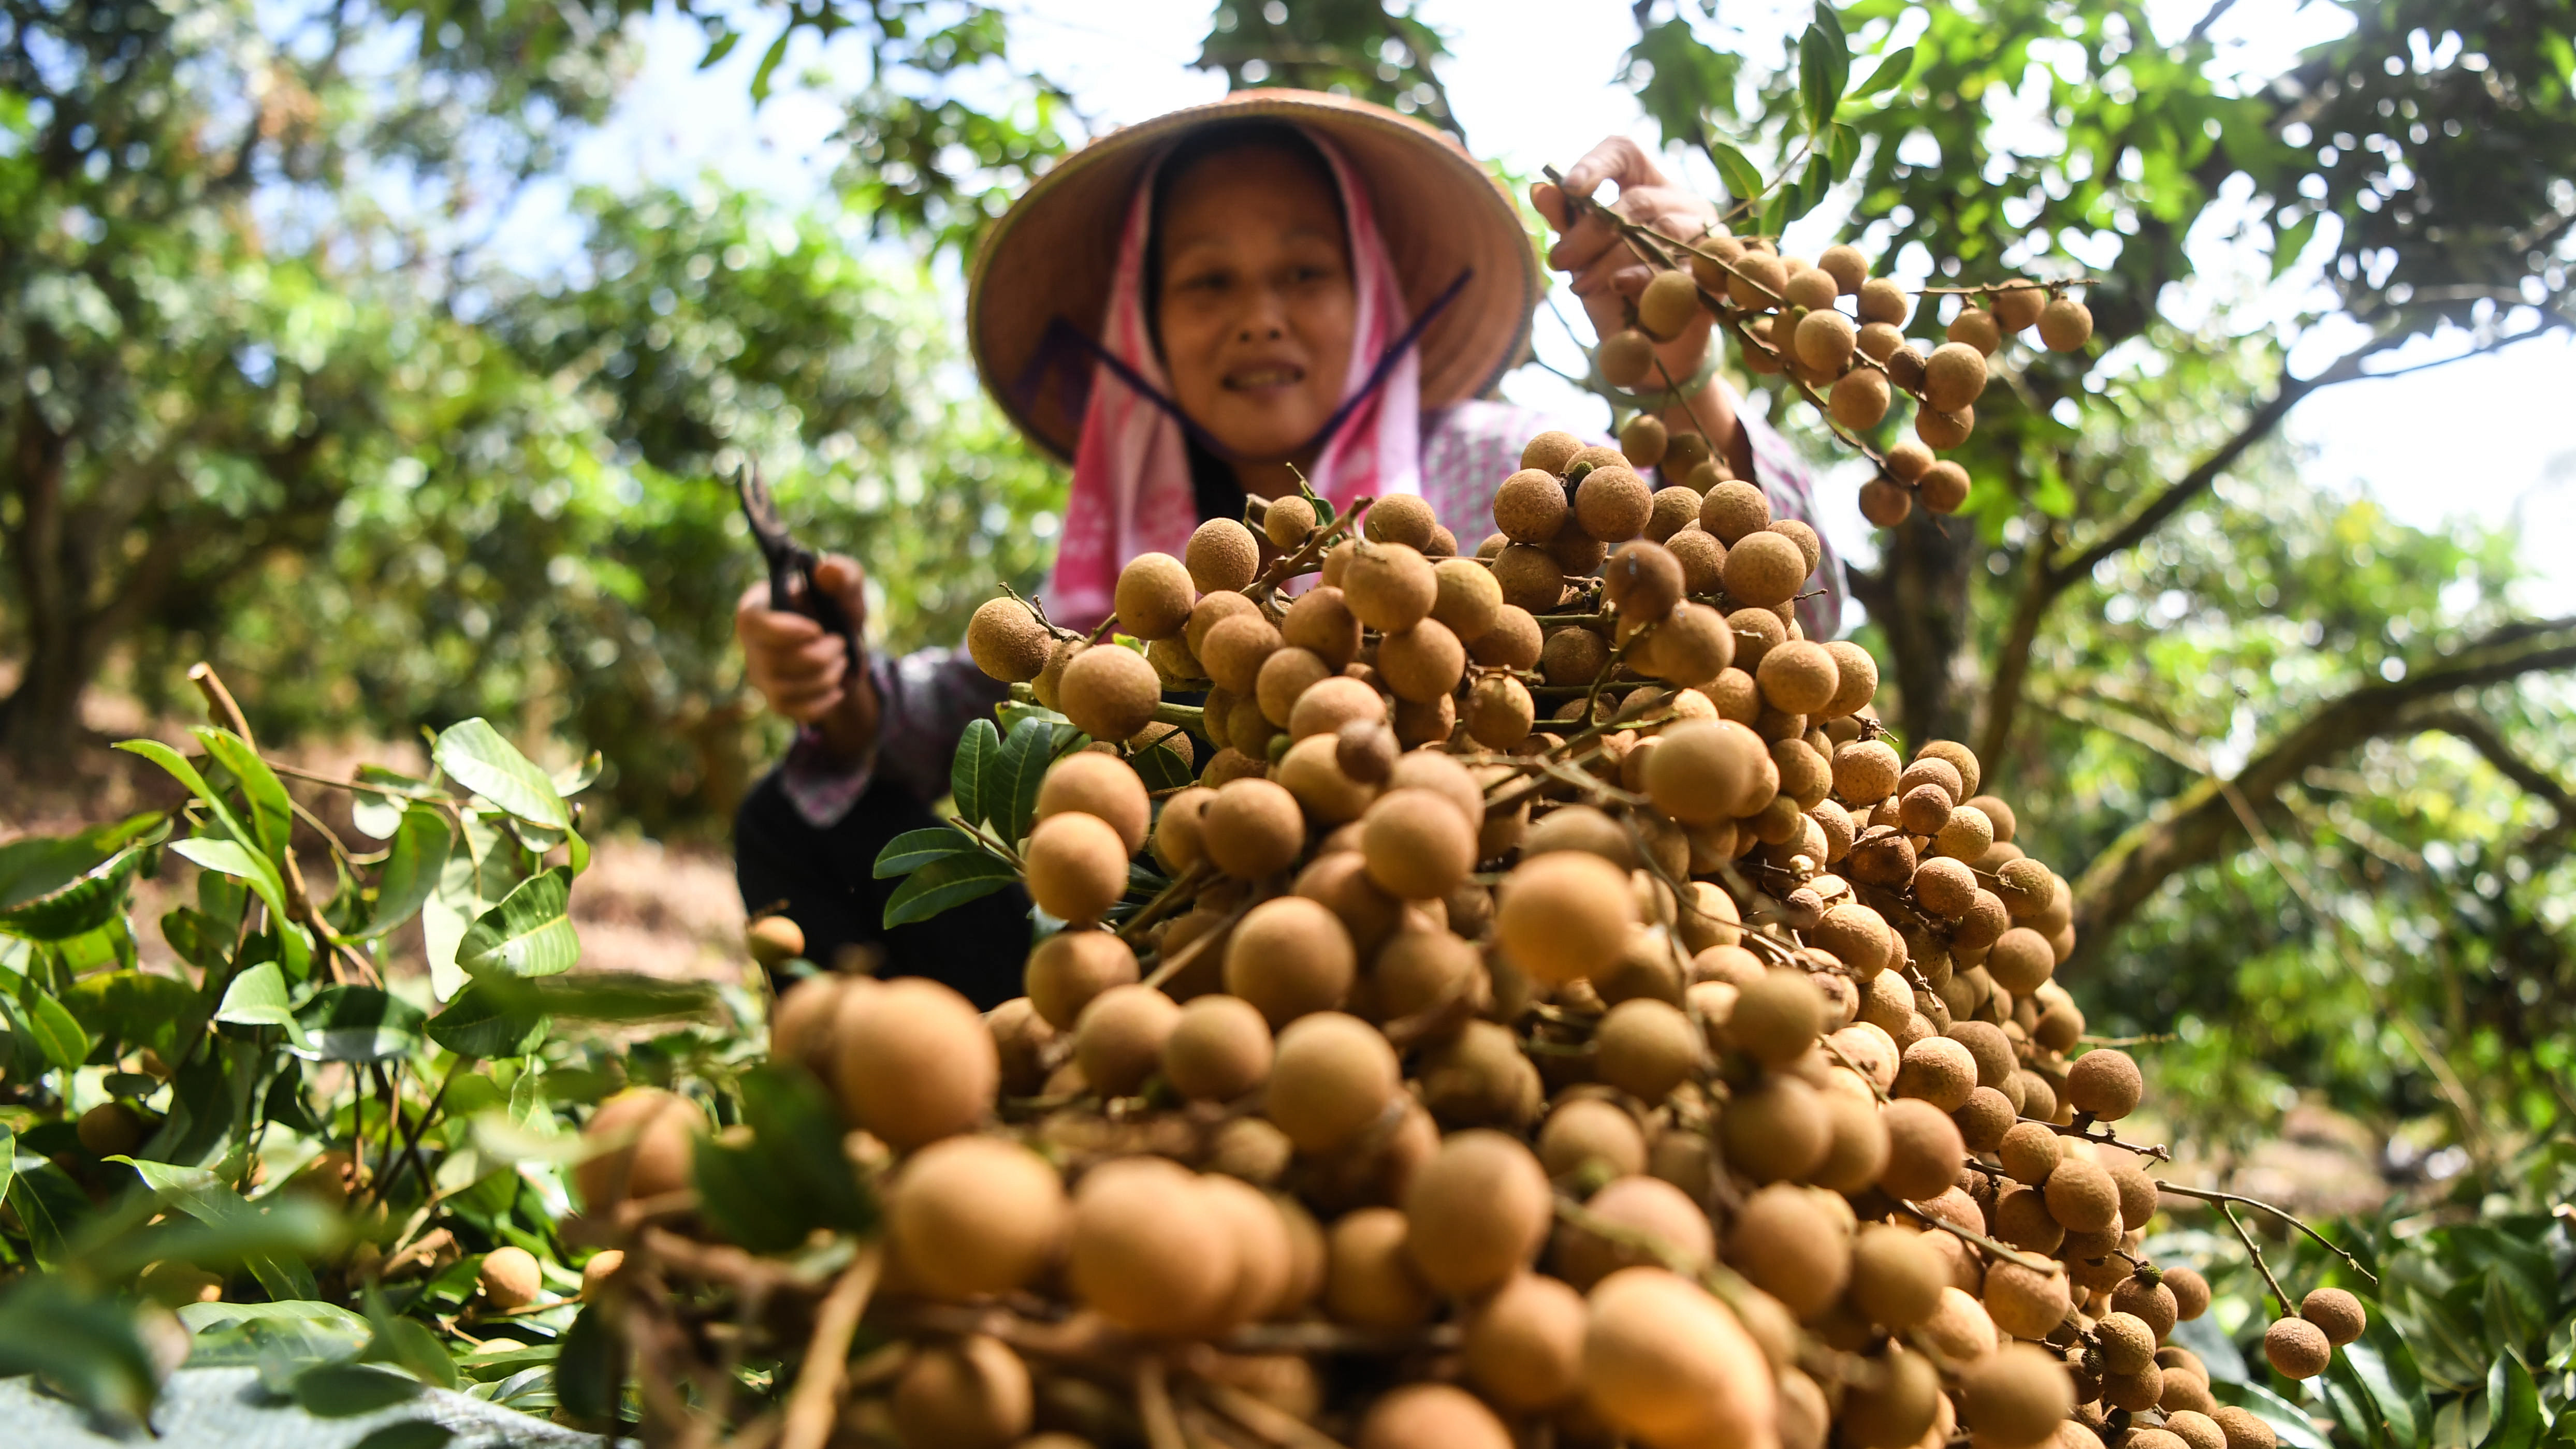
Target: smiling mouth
1263,379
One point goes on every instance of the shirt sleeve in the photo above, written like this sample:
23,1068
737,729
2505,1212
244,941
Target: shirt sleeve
1787,480
926,700
1468,449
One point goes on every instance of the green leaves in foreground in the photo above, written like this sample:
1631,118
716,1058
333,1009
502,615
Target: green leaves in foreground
530,933
769,1193
92,1348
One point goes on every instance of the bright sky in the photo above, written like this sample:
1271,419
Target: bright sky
1534,83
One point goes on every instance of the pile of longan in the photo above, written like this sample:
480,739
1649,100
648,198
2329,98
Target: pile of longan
1786,315
1676,1066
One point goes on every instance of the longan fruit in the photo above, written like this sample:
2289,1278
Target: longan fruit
1144,1251
1882,300
1705,771
1966,835
508,1278
1954,376
1668,1364
1311,770
2025,1302
1946,888
1648,1207
1824,341
1477,1212
2127,1344
1500,712
1321,623
1466,600
1857,1149
1702,557
1646,1048
2185,1392
2082,1196
1939,1071
1808,288
2243,1428
1219,1048
1289,520
2029,1152
2018,1394
2020,960
1221,555
1531,506
915,1062
1626,359
1643,580
1797,677
1332,704
2105,1083
1642,439
1423,663
1365,749
1775,1130
1416,845
1102,786
1943,487
1513,642
2065,325
1118,1040
1891,1402
1905,367
1564,915
1369,1278
1332,1076
1285,677
1007,641
1290,956
973,1215
2297,1348
1076,866
1941,432
1975,327
1179,838
1734,510
2190,1291
1154,596
1586,1130
1860,398
2336,1312
1253,829
1111,692
1756,279
973,1393
2139,1199
1865,771
2196,1430
1523,1346
1612,504
1667,304
1530,578
1676,507
1389,586
1071,967
1403,518
1549,452
1417,971
1789,1249
1896,1280
1763,569
1986,1117
1778,1017
1692,647
1924,1149
1431,1416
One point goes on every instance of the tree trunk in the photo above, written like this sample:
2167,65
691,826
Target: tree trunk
41,718
1919,598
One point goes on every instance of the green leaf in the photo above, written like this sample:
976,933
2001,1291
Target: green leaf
2514,1406
573,781
970,774
1743,178
50,1208
476,1023
242,1231
769,64
1775,214
412,868
914,849
530,933
2288,1420
1816,98
406,1342
54,1032
480,870
8,1159
476,757
186,774
407,1433
272,816
360,1024
586,1371
345,1390
1891,72
2288,242
1026,754
301,1331
791,1177
196,936
140,1009
1842,149
1158,764
257,997
40,865
90,1347
719,48
610,997
2369,1368
943,883
375,812
232,858
87,903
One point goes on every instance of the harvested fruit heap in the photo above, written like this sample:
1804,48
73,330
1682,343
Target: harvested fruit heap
1559,1003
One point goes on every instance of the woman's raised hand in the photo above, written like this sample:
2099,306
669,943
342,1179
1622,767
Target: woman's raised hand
1606,270
802,670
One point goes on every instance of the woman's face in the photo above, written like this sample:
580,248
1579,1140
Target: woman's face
1256,307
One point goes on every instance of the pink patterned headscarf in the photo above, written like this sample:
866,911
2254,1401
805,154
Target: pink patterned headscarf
1131,473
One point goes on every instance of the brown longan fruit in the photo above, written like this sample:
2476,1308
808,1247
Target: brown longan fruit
1647,1207
800,1025
2082,1196
1467,600
1416,844
1778,1017
1776,1130
1513,642
1966,835
1320,622
2336,1312
1733,511
1289,520
1705,771
1076,866
1676,507
2021,1218
2196,1429
1285,677
1857,1150
1884,504
1667,304
1924,1149
1859,937
1423,663
1890,1402
1984,1119
1564,915
2020,960
1312,772
2139,1199
508,1278
1332,1076
916,1062
1808,288
1668,1364
1422,970
2243,1428
1523,1346
2016,308
1756,278
1587,1130
2030,1152
2025,1302
1865,771
1896,1280
1330,705
1824,341
1154,596
1939,1071
1110,692
1882,300
1364,748
1612,504
1940,432
1943,487
1626,359
1763,569
1253,829
1102,786
1642,440
1369,1279
1290,956
1551,451
772,939
1118,1040
1071,967
2018,1394
1530,577
2297,1348
1531,506
1221,555
1431,1416
1643,580
1923,810
1477,1212
1390,587
1702,557
1946,888
2128,1345
973,1393
1646,1048
1403,518
1026,1044
974,1215
2065,325
2105,1083
1500,712
1789,1249
1144,1250
1860,398
1953,376
1797,677
1210,611
1692,647
1007,641
1846,266
2190,1291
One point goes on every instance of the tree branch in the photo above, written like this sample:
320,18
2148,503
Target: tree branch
2482,737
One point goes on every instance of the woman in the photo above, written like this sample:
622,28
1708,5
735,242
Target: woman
1197,310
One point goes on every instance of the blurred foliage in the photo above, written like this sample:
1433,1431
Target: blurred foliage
1363,48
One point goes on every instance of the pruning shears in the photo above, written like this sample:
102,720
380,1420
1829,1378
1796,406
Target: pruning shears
792,589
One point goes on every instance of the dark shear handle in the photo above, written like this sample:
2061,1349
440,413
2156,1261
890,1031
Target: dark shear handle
792,587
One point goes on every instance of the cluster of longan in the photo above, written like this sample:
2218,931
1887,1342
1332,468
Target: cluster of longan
1786,314
1683,1069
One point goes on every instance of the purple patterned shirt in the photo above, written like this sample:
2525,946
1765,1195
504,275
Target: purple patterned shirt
929,696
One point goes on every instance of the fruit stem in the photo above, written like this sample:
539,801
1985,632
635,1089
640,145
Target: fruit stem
1154,1409
815,1402
1171,965
2224,1198
1266,1422
1182,887
1977,1239
2106,1138
2227,1211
